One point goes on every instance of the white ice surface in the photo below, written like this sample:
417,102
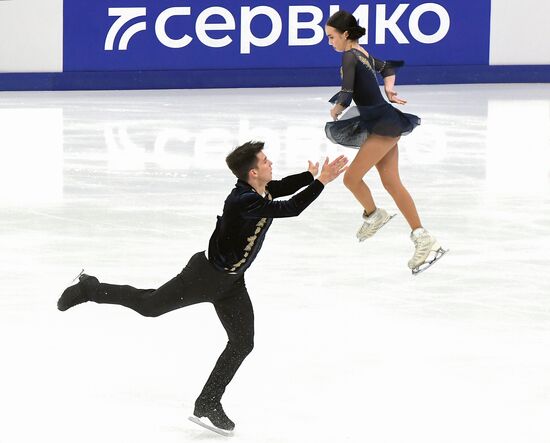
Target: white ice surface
349,346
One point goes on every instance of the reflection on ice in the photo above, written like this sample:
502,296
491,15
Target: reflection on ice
31,162
127,184
518,141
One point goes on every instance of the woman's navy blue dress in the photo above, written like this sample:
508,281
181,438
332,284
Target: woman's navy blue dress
372,114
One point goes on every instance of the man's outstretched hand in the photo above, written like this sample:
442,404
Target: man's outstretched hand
313,168
333,169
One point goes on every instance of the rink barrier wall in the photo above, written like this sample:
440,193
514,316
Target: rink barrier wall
258,78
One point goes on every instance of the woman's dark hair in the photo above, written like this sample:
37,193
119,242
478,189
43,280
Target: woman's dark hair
243,158
343,21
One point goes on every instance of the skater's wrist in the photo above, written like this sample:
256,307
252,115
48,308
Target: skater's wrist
324,179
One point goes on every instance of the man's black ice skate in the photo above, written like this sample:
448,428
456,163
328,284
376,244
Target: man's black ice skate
212,416
79,293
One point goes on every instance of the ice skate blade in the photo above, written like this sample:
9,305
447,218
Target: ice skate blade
438,254
78,276
362,239
210,427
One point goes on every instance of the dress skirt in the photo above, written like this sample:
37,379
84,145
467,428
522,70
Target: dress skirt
358,122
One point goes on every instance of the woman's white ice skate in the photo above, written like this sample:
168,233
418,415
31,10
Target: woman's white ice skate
373,223
427,251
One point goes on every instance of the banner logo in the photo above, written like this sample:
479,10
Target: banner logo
386,23
124,15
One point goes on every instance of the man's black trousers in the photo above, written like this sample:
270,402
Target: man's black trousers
198,282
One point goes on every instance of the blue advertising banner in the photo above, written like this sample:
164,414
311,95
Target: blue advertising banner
161,35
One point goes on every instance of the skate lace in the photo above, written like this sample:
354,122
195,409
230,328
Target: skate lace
422,245
372,222
368,228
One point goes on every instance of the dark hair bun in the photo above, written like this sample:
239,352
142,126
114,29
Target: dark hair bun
356,32
343,21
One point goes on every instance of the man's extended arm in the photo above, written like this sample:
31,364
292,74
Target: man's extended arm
254,206
289,185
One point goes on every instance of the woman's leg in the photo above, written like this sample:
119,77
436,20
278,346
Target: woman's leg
388,168
427,249
370,153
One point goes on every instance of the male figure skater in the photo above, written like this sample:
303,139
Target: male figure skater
219,277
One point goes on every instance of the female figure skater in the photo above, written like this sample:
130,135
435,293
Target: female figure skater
375,127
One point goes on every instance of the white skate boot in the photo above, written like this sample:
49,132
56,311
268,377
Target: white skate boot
373,223
427,251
